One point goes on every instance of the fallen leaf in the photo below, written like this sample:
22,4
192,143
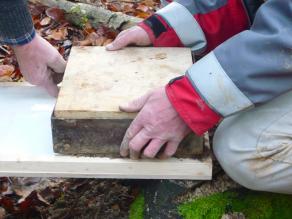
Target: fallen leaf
55,13
149,3
114,7
100,41
88,28
142,14
46,21
58,34
108,41
6,70
143,8
128,8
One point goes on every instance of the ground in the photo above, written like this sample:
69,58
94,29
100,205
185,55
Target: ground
134,199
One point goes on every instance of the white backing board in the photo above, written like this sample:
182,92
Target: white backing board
26,146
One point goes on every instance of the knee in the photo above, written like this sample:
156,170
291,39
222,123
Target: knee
236,159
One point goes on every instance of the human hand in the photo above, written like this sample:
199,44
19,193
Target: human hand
157,124
39,61
135,35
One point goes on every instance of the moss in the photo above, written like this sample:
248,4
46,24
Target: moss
254,205
77,16
137,208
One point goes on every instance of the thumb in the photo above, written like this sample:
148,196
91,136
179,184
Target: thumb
58,65
49,85
135,105
125,38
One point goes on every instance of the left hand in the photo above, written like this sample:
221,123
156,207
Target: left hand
157,124
40,63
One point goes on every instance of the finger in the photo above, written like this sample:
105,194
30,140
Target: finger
58,65
49,84
134,155
123,40
135,105
153,148
133,129
170,149
57,78
138,143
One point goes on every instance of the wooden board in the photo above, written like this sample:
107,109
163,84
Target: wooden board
96,81
87,119
27,149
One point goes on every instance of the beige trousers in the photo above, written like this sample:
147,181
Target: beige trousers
255,147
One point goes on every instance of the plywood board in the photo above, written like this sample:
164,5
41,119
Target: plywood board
97,81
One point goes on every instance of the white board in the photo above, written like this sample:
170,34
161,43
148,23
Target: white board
26,146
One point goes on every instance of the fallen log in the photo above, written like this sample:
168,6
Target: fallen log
80,13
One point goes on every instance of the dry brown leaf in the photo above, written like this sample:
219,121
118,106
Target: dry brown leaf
149,3
114,7
128,8
55,13
6,70
108,41
85,42
142,14
143,8
58,34
46,21
100,41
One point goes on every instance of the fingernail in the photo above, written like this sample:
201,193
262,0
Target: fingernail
123,107
109,47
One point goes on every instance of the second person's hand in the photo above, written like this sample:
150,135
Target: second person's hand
133,36
157,124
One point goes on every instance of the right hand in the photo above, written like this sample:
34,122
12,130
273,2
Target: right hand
135,35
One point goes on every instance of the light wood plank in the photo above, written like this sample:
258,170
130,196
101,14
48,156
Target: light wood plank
96,81
86,167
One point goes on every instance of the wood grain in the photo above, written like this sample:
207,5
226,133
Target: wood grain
96,81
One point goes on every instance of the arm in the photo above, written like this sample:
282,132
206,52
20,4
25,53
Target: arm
199,24
16,27
249,69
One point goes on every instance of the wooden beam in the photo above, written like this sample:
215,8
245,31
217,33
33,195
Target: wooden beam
87,119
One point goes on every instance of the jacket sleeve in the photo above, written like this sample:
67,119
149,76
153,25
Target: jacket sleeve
245,71
199,24
16,26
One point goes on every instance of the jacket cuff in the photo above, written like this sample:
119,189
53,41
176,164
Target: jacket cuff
190,106
16,26
174,25
160,33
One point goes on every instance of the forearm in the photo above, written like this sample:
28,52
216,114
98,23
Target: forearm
199,24
16,26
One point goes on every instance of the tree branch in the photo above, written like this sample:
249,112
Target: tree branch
79,13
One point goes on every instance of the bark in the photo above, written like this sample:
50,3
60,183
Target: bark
80,13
